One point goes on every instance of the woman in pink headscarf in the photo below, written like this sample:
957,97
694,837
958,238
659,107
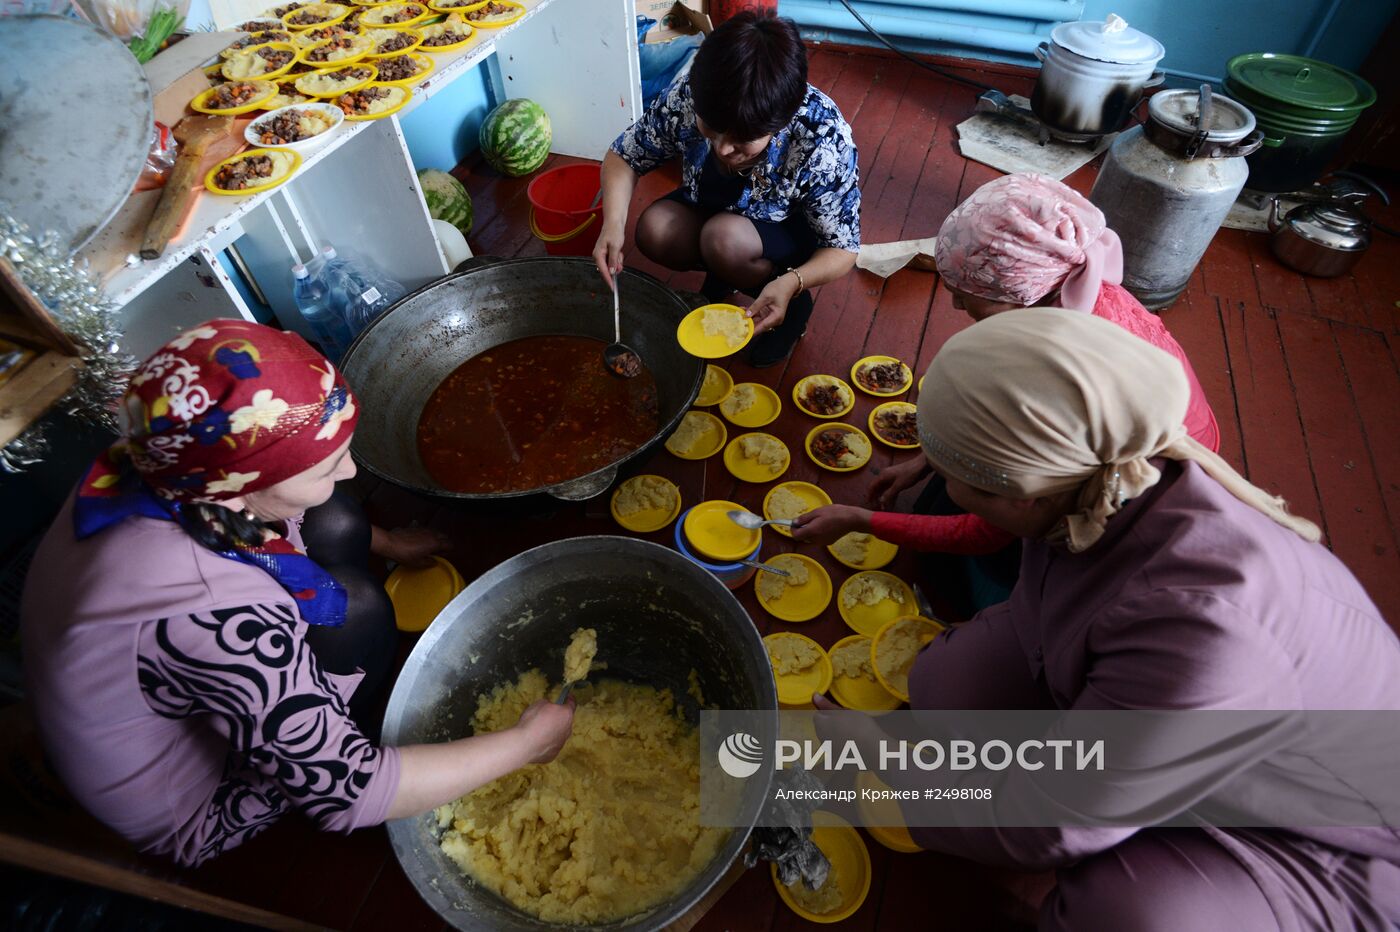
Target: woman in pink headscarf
1019,241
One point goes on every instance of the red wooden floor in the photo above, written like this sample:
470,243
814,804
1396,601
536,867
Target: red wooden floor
1302,374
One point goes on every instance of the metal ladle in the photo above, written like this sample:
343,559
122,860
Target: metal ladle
621,360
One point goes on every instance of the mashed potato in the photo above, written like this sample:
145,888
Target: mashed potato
771,586
853,547
857,450
869,590
895,653
726,324
769,451
578,656
785,504
792,655
852,660
743,398
827,898
608,829
646,493
695,427
714,382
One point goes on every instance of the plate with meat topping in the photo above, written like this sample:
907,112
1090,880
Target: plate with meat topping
309,37
315,14
233,97
394,14
447,36
277,12
334,53
373,101
337,82
403,69
838,447
300,127
255,40
443,6
259,25
494,14
387,43
823,396
895,424
252,171
287,95
263,63
881,376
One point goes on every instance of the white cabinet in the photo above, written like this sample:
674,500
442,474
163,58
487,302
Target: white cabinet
577,58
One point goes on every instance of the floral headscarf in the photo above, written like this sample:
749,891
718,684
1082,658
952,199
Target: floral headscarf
225,409
1020,237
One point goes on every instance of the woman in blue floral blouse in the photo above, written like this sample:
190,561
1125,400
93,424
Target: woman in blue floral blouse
769,202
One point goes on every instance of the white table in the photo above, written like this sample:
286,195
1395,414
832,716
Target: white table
576,58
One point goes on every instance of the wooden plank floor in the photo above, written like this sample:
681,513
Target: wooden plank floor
1304,376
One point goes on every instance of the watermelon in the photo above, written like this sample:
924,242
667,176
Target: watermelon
515,137
447,198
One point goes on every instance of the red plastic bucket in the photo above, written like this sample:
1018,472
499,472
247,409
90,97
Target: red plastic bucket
563,214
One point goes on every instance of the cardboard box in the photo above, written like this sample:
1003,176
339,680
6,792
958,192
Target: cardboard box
676,18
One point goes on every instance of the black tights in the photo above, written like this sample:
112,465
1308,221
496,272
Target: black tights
337,536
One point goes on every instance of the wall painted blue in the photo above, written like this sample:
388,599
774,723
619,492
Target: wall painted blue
444,130
1199,35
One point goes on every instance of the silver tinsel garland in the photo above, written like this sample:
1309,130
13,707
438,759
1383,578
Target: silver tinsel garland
81,309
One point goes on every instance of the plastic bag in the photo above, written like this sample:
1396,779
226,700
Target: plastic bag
159,160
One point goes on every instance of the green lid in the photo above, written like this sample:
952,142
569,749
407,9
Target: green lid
1302,84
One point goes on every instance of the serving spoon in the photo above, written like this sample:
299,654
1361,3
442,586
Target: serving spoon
753,522
621,360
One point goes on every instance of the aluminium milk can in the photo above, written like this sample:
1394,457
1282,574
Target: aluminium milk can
1165,187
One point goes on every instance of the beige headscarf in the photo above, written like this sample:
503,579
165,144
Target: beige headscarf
1038,401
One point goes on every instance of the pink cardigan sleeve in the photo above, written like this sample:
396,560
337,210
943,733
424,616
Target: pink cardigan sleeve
963,534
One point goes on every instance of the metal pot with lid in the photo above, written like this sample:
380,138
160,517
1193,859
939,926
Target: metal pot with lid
1166,187
1093,75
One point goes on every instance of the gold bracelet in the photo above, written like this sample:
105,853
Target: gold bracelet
801,285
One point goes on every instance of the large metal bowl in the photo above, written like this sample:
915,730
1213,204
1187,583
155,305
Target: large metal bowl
658,617
397,362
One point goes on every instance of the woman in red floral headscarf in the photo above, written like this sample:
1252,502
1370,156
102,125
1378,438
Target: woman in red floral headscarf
201,633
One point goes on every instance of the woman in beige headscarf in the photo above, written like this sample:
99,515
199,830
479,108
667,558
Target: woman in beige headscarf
1153,576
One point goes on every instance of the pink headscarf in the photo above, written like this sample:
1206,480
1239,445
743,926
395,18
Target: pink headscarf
1018,238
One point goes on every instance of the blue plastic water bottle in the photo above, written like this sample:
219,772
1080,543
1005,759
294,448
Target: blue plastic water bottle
313,301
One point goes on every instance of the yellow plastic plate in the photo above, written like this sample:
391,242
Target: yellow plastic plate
302,87
799,603
869,619
694,341
504,19
374,19
880,815
463,8
765,408
861,363
420,594
381,35
269,75
878,554
800,389
812,435
713,535
850,861
429,31
307,38
653,519
710,443
921,383
352,57
891,406
717,386
333,12
929,631
751,470
406,93
266,90
858,692
811,495
213,188
797,688
263,39
425,68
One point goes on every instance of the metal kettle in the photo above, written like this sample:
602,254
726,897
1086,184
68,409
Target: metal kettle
1326,234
